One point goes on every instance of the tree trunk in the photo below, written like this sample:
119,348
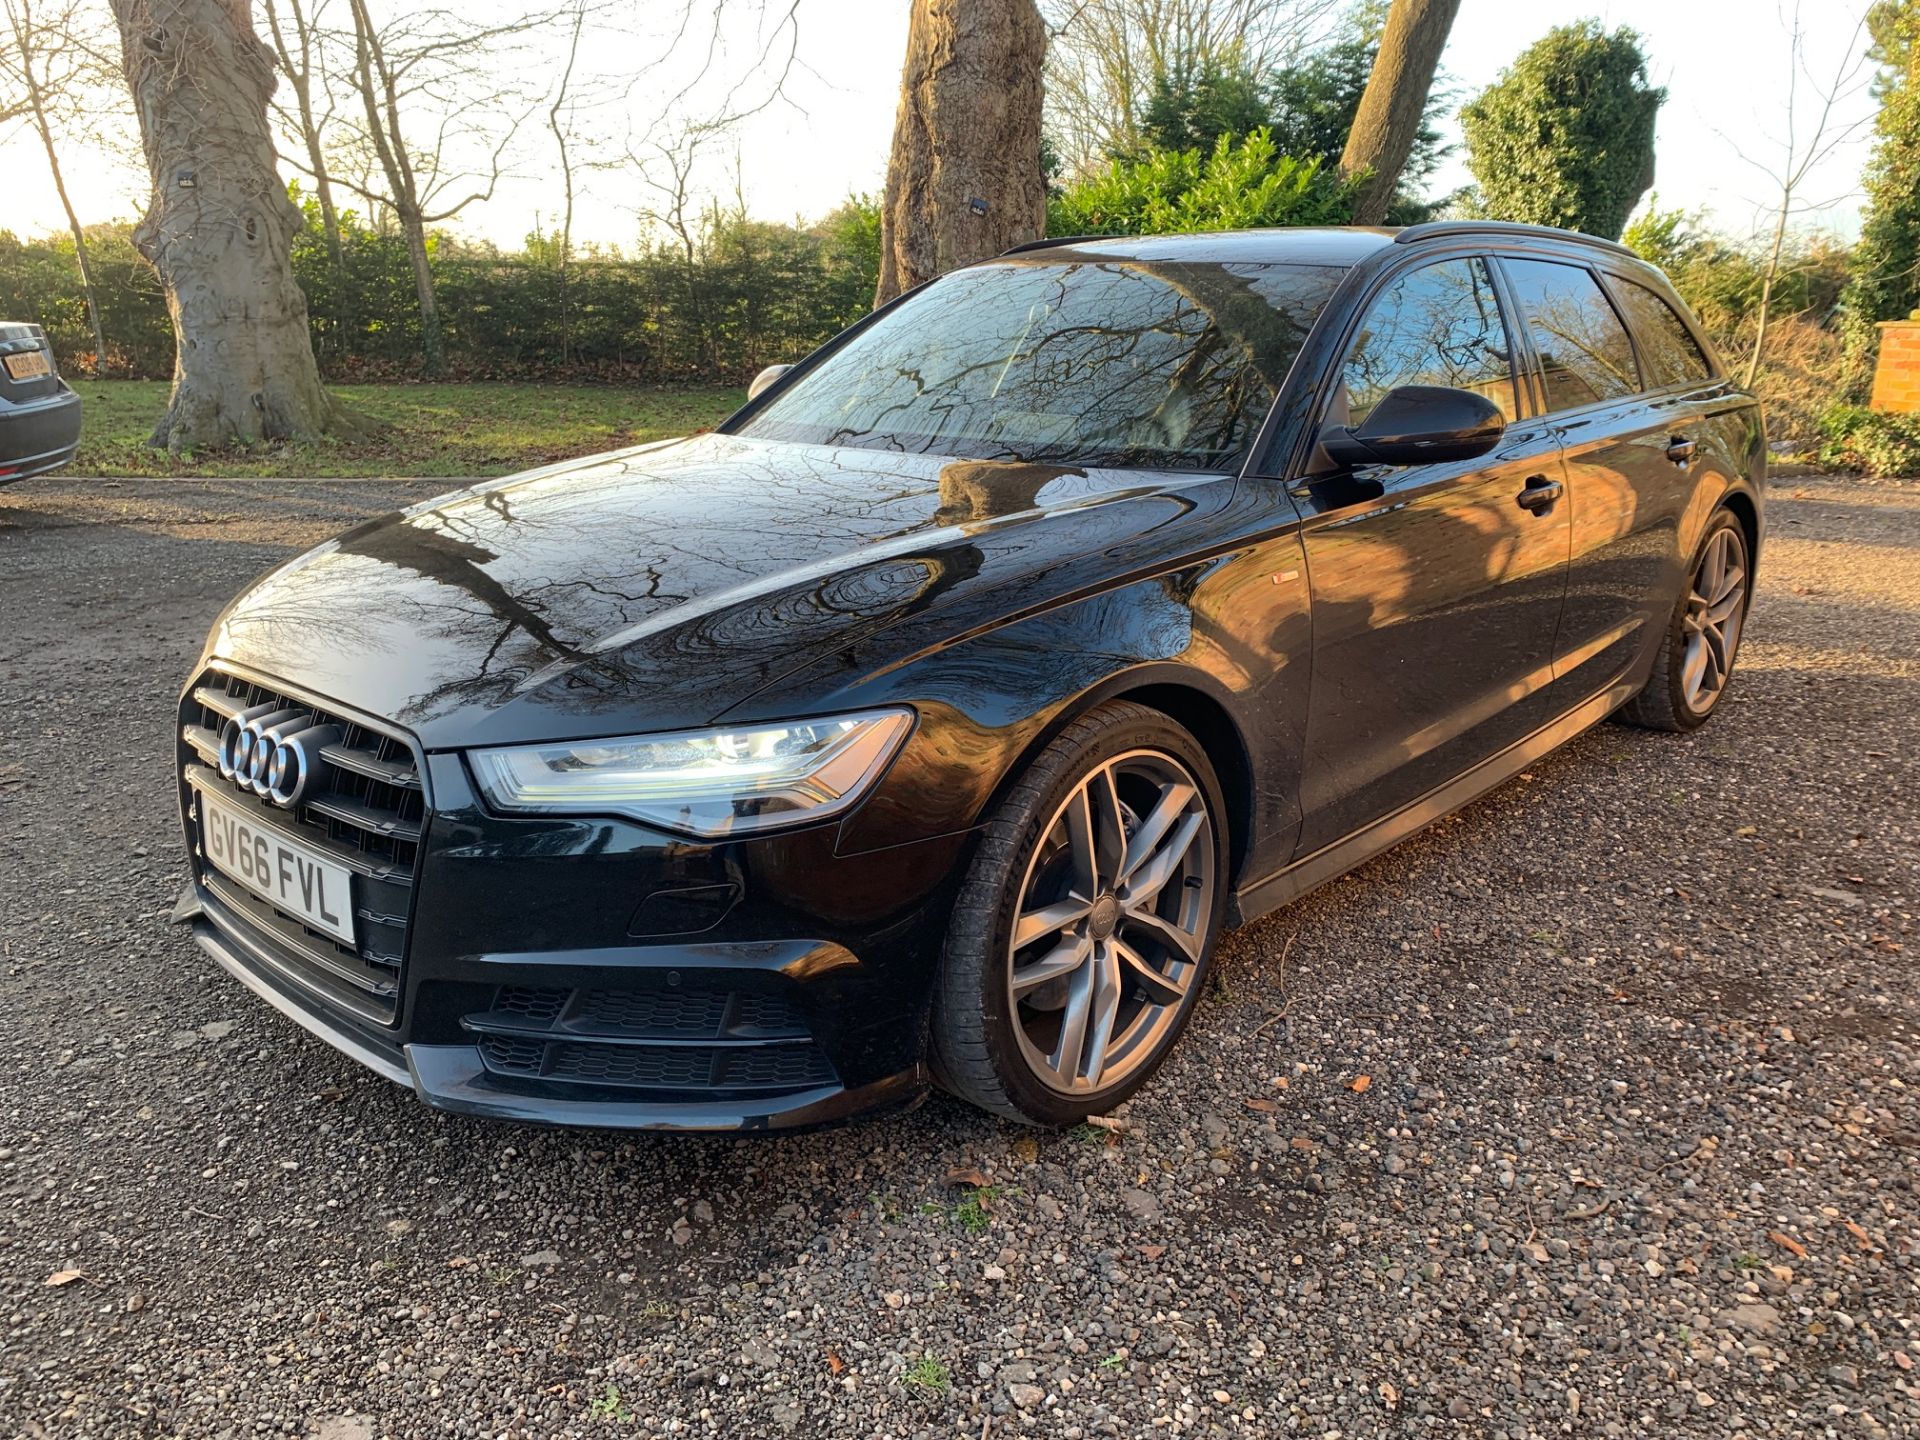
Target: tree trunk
300,78
1385,126
220,228
80,256
433,349
380,94
1766,286
964,180
42,124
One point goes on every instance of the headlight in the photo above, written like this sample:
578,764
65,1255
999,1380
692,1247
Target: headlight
710,782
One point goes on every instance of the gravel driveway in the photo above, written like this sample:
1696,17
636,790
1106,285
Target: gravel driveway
1593,1111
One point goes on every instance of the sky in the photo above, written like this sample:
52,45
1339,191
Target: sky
1725,65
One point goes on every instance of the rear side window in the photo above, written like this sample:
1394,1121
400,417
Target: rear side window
1584,351
1439,325
1667,348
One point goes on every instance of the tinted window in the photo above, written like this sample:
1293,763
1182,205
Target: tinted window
1436,326
1092,362
1667,348
1583,348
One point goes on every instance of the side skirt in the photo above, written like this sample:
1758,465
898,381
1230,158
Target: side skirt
1330,862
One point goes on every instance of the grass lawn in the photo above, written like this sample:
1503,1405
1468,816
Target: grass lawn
435,430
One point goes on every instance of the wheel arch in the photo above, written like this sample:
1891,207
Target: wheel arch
1189,699
1747,512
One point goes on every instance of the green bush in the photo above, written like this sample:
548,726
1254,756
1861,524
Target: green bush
1722,279
1565,135
747,294
40,282
1240,184
1873,443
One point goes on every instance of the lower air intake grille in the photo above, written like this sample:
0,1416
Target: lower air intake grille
690,1040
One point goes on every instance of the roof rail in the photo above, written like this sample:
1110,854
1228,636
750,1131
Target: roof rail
1434,229
1049,241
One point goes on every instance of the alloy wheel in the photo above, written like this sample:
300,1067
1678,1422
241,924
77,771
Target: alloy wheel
1114,915
1716,608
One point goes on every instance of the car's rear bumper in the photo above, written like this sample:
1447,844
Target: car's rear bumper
38,435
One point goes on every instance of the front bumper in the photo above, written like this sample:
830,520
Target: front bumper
455,1077
39,435
598,973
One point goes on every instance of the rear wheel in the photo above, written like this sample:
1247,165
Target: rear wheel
1084,928
1703,635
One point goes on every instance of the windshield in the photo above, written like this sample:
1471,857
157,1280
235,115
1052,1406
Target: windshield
1097,362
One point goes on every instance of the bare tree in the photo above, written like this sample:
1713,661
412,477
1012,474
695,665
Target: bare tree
1394,103
300,43
438,74
52,63
219,229
1806,145
1105,57
560,117
964,180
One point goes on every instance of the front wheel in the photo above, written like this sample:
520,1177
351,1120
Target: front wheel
1703,634
1084,928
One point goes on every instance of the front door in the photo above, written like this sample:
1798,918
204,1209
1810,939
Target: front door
1436,590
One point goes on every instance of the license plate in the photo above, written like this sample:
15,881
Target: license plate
287,876
30,366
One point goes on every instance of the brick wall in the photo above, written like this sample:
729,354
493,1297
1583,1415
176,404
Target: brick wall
1896,378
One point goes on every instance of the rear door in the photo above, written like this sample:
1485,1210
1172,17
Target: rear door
1436,591
1628,457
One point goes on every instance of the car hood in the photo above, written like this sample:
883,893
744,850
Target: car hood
657,587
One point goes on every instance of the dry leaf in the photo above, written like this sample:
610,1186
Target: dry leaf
65,1277
834,1362
1301,1142
1787,1242
1389,1396
1153,1252
1262,1104
966,1176
1359,1084
1109,1122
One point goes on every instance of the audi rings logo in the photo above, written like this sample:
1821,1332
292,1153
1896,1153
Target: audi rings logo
274,751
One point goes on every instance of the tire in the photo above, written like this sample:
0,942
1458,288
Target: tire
1129,959
1674,699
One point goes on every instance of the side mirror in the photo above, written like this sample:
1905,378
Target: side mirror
1418,425
765,378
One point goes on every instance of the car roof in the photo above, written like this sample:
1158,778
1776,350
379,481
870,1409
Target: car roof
1343,245
1305,245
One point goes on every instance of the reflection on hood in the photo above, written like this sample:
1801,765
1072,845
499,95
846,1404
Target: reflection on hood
679,578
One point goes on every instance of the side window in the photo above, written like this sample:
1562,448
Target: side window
1439,325
1667,348
1584,351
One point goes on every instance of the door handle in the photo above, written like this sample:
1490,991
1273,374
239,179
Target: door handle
1680,450
1539,494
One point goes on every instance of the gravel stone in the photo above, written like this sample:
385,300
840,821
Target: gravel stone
1636,1158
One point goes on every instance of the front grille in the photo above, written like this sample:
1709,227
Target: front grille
692,1039
366,811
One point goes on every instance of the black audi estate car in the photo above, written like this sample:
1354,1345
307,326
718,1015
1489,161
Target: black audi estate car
927,722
